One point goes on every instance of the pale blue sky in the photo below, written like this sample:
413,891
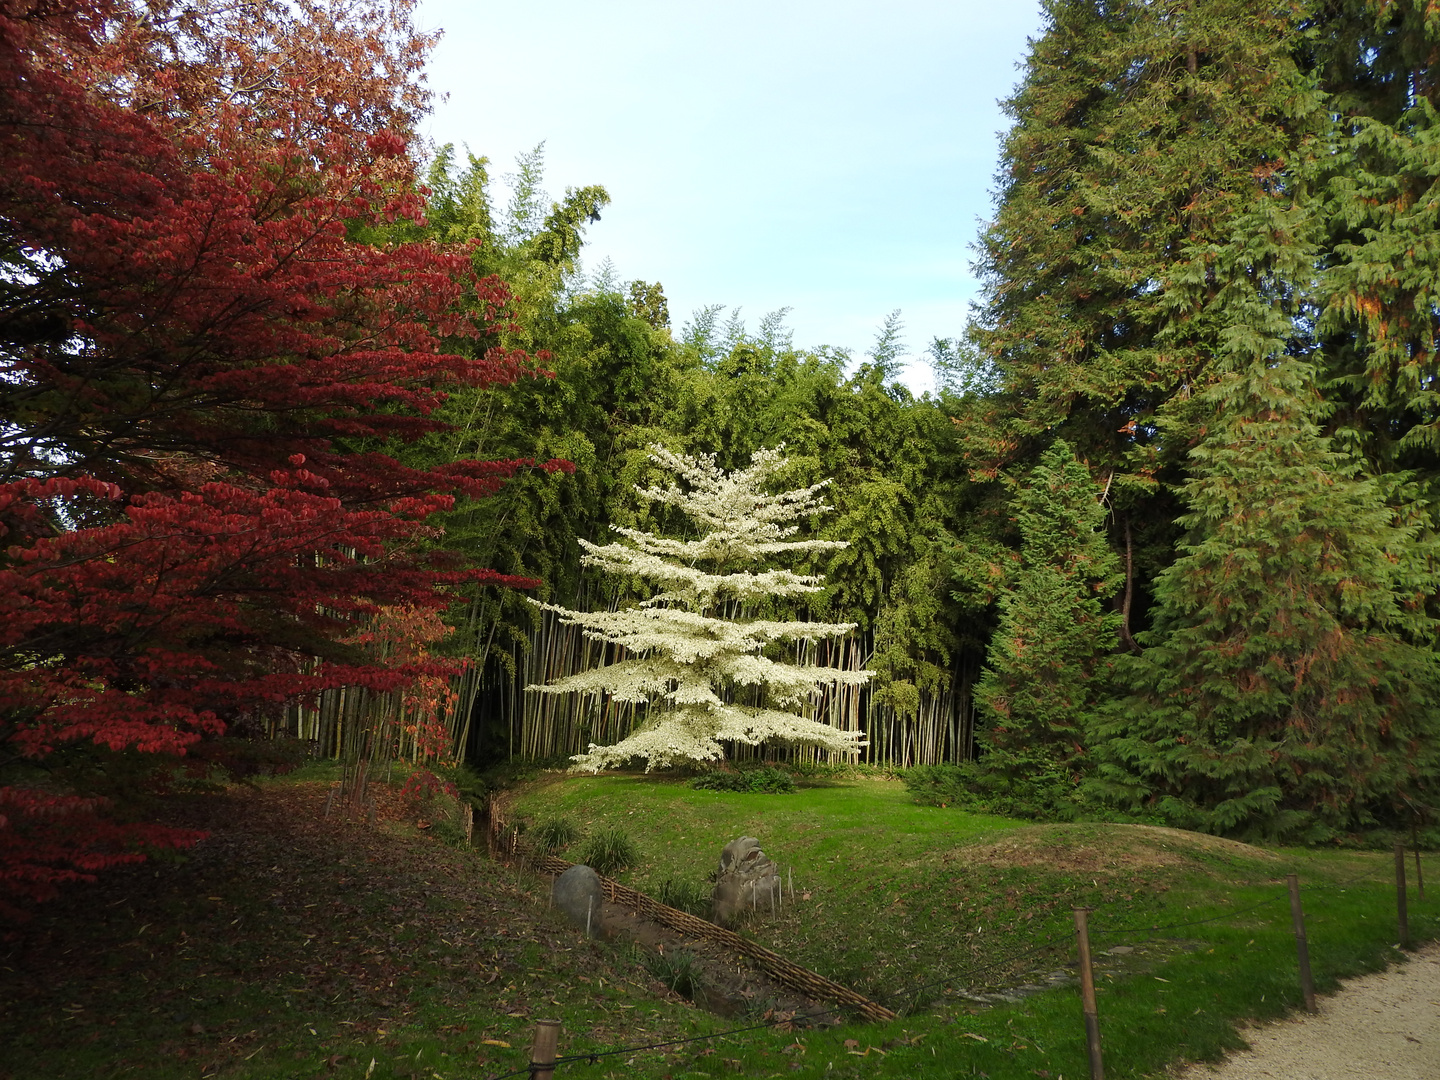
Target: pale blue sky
833,157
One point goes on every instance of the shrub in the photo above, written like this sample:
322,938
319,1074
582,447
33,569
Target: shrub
763,779
609,851
1049,796
938,785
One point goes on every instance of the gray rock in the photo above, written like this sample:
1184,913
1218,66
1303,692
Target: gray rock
746,881
578,893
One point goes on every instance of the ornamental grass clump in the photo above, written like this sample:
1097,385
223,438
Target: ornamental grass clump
553,835
705,673
685,895
609,851
676,970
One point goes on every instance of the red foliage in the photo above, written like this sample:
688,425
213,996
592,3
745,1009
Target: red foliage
423,788
203,369
48,840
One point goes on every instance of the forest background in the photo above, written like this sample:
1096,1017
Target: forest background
1161,544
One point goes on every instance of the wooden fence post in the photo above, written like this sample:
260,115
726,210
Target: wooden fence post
1087,996
542,1051
1302,947
490,826
1400,909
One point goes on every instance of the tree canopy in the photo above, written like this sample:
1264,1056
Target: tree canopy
205,378
692,651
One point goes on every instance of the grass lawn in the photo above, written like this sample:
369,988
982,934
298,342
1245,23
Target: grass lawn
926,908
288,945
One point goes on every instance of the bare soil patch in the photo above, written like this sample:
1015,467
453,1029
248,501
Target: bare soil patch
1079,849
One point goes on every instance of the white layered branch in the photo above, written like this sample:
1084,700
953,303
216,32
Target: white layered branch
789,684
687,637
689,735
708,548
682,661
688,582
638,681
739,517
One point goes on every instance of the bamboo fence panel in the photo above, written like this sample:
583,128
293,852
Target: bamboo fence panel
783,971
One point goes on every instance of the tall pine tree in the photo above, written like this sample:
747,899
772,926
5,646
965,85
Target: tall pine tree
1043,673
1141,127
1289,686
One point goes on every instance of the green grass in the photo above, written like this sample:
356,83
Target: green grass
917,905
289,946
684,829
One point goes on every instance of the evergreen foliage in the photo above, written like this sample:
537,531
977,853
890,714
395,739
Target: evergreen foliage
690,653
1381,288
1288,688
1213,272
1045,665
1140,129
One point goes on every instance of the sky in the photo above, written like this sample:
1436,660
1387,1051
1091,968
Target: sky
834,158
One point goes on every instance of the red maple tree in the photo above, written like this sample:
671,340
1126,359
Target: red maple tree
205,375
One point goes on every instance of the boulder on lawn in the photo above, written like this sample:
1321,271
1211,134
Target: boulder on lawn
578,893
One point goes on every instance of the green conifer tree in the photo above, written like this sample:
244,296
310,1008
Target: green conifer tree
1141,127
1053,636
1288,688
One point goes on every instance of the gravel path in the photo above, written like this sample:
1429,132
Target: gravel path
1378,1027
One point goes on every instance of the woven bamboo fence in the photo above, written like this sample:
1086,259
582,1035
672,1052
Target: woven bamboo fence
505,841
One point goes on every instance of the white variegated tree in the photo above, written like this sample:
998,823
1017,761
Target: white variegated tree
683,660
